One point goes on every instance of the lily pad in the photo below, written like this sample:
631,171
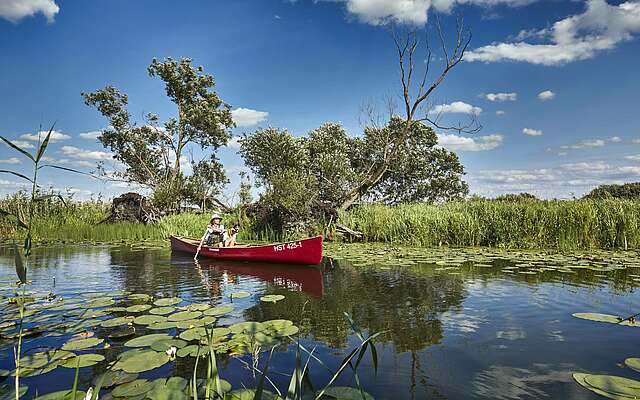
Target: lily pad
82,360
346,393
112,378
193,334
82,344
138,308
99,303
141,361
193,323
219,310
162,310
198,307
132,389
147,340
63,395
633,363
239,295
169,301
271,298
123,333
41,359
149,319
580,379
247,327
192,350
164,345
162,325
184,315
139,297
614,384
611,319
111,323
249,394
169,389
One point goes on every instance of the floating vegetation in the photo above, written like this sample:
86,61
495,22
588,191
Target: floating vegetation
170,301
239,295
610,319
272,298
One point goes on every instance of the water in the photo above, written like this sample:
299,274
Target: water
466,333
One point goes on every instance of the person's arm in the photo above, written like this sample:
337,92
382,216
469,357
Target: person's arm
201,243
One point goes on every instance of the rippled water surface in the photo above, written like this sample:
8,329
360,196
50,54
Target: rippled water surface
466,332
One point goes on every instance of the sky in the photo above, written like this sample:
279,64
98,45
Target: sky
553,83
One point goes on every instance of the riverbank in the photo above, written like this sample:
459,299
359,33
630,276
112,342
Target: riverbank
562,225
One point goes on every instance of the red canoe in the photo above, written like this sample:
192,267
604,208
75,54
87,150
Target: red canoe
306,251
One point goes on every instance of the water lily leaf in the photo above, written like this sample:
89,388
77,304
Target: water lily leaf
169,301
247,327
184,315
219,310
63,395
138,308
110,323
141,361
164,345
112,378
225,387
162,325
149,319
112,310
82,360
580,379
193,334
192,350
168,389
272,298
193,323
633,363
8,392
239,295
198,307
346,393
249,394
147,340
614,384
132,389
611,319
100,302
82,344
39,360
139,297
123,333
162,310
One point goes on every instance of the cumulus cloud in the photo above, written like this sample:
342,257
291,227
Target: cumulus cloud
15,10
500,113
234,143
457,107
615,139
411,12
532,132
635,157
585,144
22,144
579,37
82,154
463,143
55,136
546,95
90,135
244,117
12,160
636,141
501,96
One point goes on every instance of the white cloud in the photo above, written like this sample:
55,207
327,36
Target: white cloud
244,117
501,96
500,113
15,10
412,12
55,136
615,139
76,163
82,154
584,144
579,37
633,158
234,143
22,144
457,107
532,132
636,141
546,95
90,135
12,160
463,143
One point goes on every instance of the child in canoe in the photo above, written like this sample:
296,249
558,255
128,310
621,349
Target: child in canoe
217,236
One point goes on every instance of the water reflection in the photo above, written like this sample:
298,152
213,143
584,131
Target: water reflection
472,332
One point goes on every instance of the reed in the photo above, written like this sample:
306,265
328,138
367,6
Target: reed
576,224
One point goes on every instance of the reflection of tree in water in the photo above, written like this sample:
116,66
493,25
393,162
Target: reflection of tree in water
402,303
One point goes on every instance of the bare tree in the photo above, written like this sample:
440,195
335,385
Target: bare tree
417,91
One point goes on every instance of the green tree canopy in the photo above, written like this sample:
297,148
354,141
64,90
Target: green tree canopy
153,153
625,191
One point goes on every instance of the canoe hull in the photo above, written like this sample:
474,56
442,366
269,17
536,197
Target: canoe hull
304,252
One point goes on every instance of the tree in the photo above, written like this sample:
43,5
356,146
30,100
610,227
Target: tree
516,197
152,154
626,191
416,94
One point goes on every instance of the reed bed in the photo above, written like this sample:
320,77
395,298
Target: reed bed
577,224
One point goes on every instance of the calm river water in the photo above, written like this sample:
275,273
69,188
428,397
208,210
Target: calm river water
476,333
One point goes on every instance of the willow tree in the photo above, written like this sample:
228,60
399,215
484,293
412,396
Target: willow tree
153,153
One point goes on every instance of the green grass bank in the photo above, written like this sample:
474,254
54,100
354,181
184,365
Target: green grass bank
563,225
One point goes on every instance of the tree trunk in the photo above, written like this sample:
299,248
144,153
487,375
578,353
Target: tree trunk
355,194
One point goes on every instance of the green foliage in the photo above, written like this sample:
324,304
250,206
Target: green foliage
152,153
516,197
625,191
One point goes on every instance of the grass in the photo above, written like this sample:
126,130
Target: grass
577,224
565,225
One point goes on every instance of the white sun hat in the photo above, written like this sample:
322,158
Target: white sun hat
216,216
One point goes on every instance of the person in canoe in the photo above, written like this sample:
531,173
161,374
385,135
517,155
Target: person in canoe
214,235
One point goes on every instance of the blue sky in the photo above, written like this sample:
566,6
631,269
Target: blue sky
554,83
